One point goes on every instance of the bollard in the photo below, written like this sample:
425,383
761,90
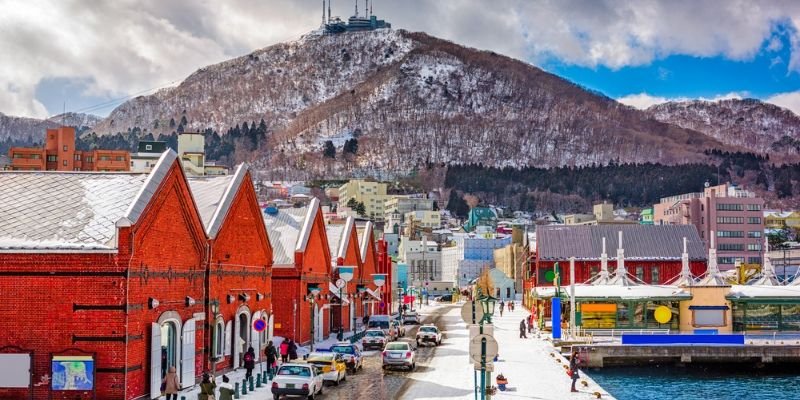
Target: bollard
258,380
183,397
266,374
251,384
236,390
244,386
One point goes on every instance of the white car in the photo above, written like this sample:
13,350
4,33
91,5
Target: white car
334,369
374,338
303,380
429,334
399,354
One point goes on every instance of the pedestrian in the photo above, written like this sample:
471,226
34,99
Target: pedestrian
207,386
292,350
226,390
284,351
272,356
365,321
501,310
512,306
340,334
170,384
502,306
249,362
574,361
522,329
530,323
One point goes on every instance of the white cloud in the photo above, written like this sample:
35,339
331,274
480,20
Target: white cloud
789,100
644,100
125,46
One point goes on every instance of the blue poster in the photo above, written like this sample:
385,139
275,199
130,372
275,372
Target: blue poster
555,317
73,373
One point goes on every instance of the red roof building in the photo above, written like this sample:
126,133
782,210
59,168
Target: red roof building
343,242
369,293
59,154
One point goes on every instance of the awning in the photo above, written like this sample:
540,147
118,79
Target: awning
709,308
335,291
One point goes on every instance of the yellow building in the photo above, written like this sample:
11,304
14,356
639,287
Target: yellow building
371,194
781,219
424,219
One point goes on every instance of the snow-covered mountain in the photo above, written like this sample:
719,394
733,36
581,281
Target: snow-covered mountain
33,129
411,99
748,123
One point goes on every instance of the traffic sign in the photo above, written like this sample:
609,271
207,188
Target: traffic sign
475,348
475,330
259,325
489,366
466,312
340,283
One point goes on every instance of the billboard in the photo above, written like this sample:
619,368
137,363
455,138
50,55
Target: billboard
73,373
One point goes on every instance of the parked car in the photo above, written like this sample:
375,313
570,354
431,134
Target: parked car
411,317
333,367
351,355
297,380
445,298
429,334
383,322
374,338
399,354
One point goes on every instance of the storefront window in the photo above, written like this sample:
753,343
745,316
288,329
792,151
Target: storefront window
738,317
762,316
790,317
638,314
622,315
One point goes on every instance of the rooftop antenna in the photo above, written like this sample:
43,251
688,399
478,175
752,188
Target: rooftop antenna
64,115
356,8
329,9
370,7
366,7
323,12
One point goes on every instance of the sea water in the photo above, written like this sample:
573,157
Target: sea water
706,382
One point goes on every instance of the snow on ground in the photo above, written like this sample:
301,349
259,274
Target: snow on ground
527,364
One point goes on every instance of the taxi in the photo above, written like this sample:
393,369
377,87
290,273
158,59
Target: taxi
334,368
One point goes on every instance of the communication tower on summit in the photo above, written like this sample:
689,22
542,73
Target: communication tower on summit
334,25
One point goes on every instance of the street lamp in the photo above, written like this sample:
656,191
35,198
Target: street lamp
487,304
345,275
313,292
214,306
379,280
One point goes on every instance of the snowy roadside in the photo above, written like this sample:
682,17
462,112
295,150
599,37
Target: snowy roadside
530,365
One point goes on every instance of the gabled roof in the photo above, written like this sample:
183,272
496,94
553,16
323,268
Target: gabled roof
214,197
335,235
366,235
47,210
283,230
289,230
640,242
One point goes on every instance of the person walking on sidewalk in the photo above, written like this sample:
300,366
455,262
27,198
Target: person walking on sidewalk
292,350
501,309
171,384
272,356
574,361
249,362
226,391
522,329
530,323
207,386
284,351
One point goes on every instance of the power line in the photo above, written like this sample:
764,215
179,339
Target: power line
105,104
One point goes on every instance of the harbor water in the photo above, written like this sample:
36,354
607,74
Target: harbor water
709,382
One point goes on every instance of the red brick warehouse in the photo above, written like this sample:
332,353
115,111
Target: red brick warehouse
369,294
343,242
239,283
108,266
301,272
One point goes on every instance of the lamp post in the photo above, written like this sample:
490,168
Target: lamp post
345,275
214,306
313,292
488,304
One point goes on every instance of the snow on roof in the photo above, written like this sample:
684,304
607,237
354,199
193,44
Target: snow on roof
641,242
335,234
617,292
214,197
64,210
283,230
763,291
365,236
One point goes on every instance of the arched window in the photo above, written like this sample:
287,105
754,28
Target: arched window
219,338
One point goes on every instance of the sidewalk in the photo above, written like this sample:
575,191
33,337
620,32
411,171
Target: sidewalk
530,365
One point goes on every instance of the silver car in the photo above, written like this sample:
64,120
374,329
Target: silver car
399,354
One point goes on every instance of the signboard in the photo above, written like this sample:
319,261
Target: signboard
259,325
489,366
277,325
475,348
466,312
72,373
555,317
15,370
474,330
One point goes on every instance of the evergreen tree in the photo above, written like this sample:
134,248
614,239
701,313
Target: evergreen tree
361,209
329,150
350,146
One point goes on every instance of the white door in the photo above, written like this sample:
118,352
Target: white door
228,336
270,333
187,353
155,361
352,315
235,340
318,323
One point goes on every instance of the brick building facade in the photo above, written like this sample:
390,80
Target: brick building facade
59,154
343,241
300,273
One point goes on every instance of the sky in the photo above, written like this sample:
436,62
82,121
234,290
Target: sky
88,56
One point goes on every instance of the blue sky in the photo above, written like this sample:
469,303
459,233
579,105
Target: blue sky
639,52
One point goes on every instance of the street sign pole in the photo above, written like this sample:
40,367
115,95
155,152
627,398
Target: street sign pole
483,366
474,372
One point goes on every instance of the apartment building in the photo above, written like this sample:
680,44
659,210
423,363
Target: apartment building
59,154
731,213
371,194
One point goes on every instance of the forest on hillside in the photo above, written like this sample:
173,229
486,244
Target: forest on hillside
574,189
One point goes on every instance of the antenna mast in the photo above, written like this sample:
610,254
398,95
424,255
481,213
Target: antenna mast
323,12
356,8
366,8
329,10
370,7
